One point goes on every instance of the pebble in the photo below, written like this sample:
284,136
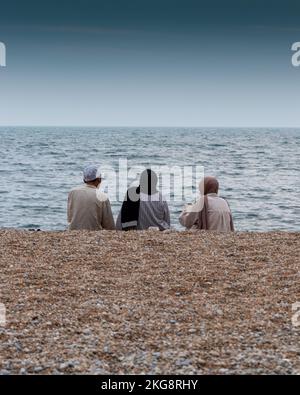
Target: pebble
4,372
139,304
183,362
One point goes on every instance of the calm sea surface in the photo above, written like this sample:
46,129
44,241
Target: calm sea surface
258,169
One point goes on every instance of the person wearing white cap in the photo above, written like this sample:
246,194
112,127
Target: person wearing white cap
88,208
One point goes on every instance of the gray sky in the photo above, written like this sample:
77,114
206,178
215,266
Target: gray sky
150,63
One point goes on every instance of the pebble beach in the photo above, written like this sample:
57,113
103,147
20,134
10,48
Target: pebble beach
149,302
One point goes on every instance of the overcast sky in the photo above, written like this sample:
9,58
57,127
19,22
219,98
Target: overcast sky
150,63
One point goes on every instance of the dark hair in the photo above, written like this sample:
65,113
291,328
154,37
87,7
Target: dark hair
148,182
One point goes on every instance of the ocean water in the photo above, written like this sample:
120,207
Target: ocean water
258,169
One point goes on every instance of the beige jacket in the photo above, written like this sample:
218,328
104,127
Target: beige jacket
219,214
89,209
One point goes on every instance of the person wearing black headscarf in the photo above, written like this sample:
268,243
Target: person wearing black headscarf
144,206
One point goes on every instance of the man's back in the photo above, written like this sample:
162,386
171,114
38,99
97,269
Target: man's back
89,209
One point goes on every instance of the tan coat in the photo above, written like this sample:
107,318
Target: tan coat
89,209
219,214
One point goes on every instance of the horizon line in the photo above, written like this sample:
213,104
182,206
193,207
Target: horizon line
153,126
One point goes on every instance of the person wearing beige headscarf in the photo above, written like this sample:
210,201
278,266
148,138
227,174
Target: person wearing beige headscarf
210,212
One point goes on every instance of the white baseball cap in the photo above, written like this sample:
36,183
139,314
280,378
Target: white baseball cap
91,173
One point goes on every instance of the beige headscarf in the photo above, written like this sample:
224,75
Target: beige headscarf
208,185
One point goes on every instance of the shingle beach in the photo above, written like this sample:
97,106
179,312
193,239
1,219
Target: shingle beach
149,302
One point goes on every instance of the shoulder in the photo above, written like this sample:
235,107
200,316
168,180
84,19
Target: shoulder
156,197
102,197
162,198
222,203
223,200
75,189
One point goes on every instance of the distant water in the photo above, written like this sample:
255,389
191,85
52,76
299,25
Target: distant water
258,169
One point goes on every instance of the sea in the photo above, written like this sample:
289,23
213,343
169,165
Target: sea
258,170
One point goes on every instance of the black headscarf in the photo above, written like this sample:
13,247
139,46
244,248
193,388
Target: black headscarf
131,205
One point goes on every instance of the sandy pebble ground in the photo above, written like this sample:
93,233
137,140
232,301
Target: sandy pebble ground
149,302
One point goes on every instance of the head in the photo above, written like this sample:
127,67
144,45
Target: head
209,185
92,176
148,182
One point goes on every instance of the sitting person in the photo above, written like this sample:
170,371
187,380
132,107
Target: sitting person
144,206
210,212
88,208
